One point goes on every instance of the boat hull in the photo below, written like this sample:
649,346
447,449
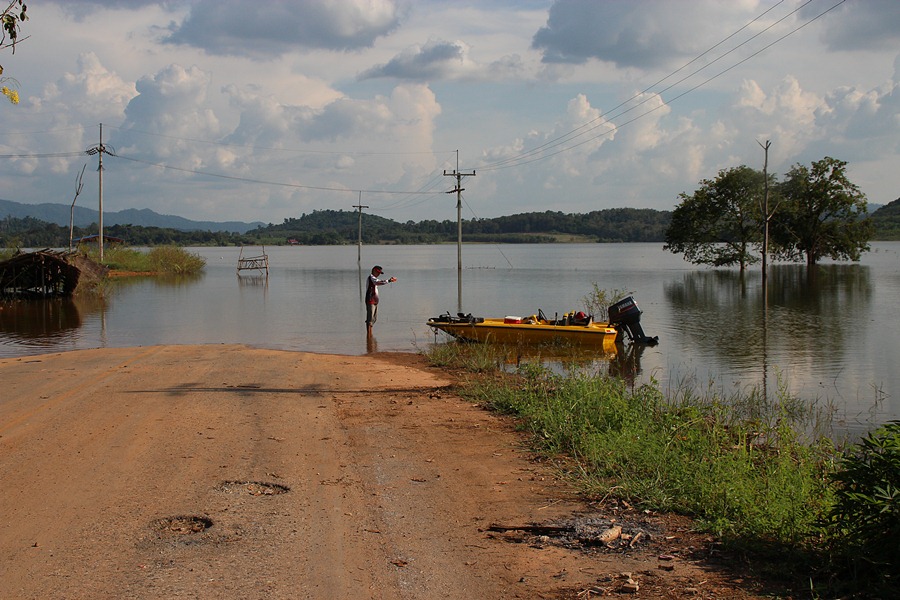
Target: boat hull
531,332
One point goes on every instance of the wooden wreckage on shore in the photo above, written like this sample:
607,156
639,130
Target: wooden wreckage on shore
45,274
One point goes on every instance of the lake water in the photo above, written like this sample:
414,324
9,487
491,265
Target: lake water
831,336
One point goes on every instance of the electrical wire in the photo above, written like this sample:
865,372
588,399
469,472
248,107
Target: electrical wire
533,155
528,157
263,181
570,135
47,155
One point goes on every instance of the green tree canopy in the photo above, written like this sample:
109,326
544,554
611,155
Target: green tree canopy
720,223
823,214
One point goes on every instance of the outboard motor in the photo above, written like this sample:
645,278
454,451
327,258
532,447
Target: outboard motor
626,314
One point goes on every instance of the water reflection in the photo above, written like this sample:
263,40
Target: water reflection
253,281
46,323
40,318
724,308
806,316
626,364
176,280
618,360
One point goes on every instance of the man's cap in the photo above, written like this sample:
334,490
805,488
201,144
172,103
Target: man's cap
377,267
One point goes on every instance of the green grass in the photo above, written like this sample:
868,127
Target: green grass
472,358
751,470
161,259
739,478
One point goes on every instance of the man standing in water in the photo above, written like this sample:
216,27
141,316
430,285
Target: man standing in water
372,296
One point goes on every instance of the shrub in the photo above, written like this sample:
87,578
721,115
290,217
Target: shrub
174,259
864,523
598,301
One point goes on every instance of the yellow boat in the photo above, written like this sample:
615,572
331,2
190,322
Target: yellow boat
575,329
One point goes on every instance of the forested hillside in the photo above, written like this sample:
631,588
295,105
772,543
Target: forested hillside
611,225
329,227
29,232
887,221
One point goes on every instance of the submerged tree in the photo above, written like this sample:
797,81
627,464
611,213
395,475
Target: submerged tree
824,215
720,223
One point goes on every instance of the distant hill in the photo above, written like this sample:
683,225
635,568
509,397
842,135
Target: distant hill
887,221
335,227
59,214
608,225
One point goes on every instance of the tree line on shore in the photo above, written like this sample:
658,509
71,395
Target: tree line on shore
334,227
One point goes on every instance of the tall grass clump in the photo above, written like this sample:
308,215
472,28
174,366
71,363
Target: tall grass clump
173,259
119,258
161,259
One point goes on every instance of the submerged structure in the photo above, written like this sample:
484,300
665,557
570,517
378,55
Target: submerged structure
43,274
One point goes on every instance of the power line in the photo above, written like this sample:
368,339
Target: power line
562,138
49,155
535,154
558,141
529,156
266,182
424,190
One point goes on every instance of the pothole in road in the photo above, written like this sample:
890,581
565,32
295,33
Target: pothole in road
254,488
183,525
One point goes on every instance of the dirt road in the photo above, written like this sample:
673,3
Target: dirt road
229,472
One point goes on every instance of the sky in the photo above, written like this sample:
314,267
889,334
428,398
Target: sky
227,110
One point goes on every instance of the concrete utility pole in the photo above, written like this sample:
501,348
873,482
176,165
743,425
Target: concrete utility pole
359,245
99,150
765,257
459,189
765,211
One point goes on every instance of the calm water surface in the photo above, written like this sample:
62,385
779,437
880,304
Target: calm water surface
832,336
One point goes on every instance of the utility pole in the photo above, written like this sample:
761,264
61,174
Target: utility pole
765,212
765,257
359,244
99,150
459,189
